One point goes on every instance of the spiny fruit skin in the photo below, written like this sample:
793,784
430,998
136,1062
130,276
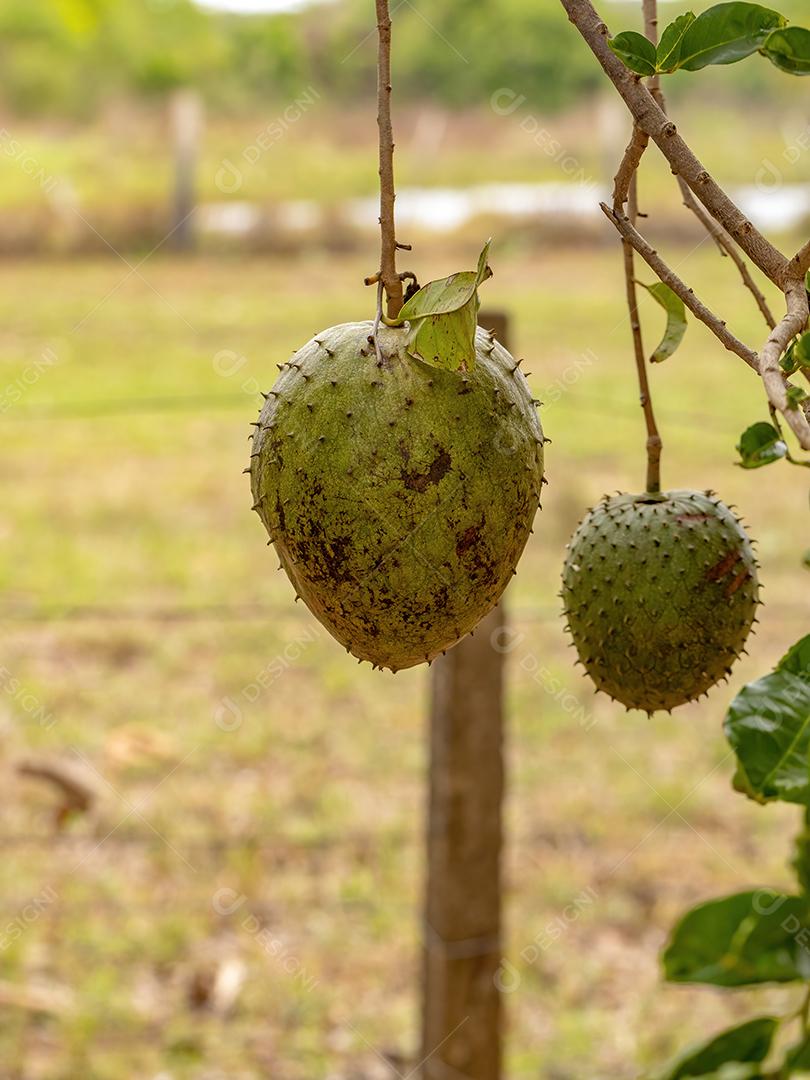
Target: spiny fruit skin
660,592
399,496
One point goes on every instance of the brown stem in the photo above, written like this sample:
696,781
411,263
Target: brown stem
773,377
627,168
625,189
388,246
800,263
654,444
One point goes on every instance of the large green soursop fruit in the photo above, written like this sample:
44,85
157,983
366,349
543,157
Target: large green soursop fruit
399,496
660,592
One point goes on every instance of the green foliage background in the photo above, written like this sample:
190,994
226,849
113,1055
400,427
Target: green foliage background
70,57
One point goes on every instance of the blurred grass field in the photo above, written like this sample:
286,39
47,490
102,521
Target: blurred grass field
285,835
288,152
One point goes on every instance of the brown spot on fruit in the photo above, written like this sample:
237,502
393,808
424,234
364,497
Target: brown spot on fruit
438,468
683,518
720,569
467,539
738,581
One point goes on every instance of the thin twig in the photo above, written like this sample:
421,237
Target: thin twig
388,247
377,319
669,277
654,444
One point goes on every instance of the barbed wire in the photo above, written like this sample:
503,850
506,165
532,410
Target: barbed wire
199,403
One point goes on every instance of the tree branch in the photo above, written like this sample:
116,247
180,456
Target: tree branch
773,377
680,288
800,263
623,179
388,247
651,118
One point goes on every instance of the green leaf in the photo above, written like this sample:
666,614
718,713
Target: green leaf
726,33
739,940
768,727
447,294
789,50
749,1042
676,320
737,1070
798,1057
760,445
637,52
801,350
443,316
797,659
668,54
789,364
795,396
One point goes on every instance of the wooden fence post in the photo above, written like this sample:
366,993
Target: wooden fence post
186,116
461,1004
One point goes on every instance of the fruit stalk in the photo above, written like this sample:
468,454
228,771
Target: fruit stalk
388,246
627,184
654,443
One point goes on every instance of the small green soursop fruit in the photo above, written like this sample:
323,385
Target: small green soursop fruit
660,592
399,496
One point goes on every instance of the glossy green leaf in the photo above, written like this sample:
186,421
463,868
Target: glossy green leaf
443,316
795,396
760,445
668,54
768,727
789,364
797,659
749,1042
676,320
726,33
801,350
789,49
637,51
740,940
